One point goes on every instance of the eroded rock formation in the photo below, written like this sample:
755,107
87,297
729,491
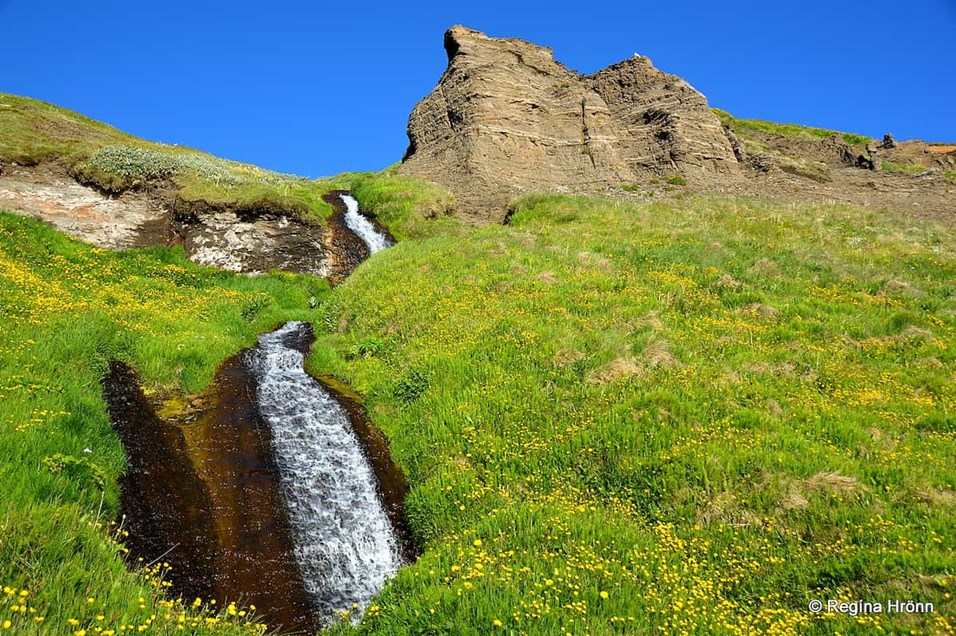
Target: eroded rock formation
507,118
668,126
250,239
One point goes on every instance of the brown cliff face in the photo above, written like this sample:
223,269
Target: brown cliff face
667,125
506,118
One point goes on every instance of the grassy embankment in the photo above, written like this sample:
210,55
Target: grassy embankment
789,131
410,208
33,132
65,310
687,417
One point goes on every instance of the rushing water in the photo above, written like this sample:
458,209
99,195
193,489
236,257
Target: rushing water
343,541
362,227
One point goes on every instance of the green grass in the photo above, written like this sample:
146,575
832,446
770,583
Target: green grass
686,416
65,310
793,131
33,132
950,175
409,208
902,168
690,416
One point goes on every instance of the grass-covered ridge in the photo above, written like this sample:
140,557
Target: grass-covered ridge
688,417
793,131
65,310
33,132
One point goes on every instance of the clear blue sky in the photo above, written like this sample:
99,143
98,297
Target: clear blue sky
317,88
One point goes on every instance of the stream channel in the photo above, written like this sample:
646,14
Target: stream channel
275,491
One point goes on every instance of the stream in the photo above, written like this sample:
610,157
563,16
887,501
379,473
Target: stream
273,489
344,544
362,227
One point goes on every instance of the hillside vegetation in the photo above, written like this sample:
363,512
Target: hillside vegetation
65,310
690,416
33,132
789,131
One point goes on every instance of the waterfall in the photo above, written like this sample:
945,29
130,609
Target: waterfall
344,543
362,227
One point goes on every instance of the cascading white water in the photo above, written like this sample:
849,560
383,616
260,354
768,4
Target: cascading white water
362,227
344,543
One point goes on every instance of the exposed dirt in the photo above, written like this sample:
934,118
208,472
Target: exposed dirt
930,197
802,171
240,238
828,171
48,192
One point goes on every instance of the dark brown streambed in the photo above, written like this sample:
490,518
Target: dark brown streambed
206,497
346,250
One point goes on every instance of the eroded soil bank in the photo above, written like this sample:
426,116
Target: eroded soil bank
203,493
245,237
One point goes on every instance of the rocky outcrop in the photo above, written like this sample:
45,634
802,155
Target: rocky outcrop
48,193
247,239
667,125
507,118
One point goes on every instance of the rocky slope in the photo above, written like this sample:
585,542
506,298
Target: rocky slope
507,118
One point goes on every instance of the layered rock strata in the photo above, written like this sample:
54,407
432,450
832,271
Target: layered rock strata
506,118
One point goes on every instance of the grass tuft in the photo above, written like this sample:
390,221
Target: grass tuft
902,168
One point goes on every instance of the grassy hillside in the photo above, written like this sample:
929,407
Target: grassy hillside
691,417
615,418
33,132
65,310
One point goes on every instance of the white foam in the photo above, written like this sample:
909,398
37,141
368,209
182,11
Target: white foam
344,543
362,227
